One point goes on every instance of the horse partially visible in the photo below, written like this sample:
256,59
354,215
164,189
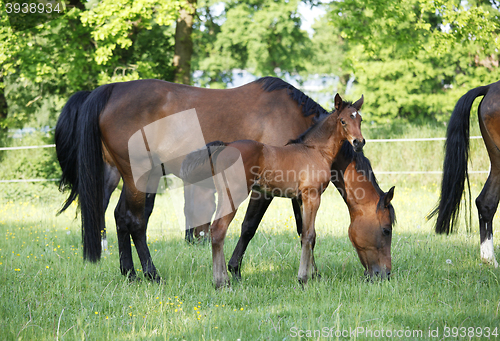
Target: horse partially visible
300,170
455,172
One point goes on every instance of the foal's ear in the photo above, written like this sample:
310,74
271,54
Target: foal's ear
359,103
388,197
338,102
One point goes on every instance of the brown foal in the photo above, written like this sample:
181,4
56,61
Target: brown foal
301,170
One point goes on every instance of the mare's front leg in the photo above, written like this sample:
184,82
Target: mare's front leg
218,234
256,208
310,205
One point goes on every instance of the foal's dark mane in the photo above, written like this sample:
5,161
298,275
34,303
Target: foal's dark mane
315,126
364,166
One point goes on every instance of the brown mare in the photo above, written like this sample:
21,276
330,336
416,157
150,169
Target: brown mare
455,166
267,110
370,209
300,170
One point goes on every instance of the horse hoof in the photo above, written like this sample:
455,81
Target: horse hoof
153,277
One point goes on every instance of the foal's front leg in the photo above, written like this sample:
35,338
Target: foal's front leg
310,205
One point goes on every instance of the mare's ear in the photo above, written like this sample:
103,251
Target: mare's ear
338,102
388,197
359,103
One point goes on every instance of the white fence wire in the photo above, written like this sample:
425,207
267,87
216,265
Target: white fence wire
368,140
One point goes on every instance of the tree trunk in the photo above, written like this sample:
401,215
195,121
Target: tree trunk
184,44
3,108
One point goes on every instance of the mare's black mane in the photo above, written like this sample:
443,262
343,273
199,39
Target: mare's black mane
309,106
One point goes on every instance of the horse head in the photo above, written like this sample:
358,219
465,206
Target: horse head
350,121
371,233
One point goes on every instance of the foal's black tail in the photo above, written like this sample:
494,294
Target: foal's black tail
67,145
455,162
198,165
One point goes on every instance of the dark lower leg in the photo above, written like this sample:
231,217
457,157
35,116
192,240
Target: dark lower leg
296,204
150,272
148,208
124,247
487,204
256,209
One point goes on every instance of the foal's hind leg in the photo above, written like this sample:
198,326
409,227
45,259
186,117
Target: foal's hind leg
297,210
256,208
311,201
218,234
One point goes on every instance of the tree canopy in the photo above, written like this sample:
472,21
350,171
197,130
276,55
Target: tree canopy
412,59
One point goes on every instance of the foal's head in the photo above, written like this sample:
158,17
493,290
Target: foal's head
349,121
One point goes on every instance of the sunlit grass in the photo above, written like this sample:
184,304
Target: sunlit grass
48,292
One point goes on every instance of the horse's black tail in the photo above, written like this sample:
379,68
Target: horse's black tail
90,180
455,162
198,165
66,145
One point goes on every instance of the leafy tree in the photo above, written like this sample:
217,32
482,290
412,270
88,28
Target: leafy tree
261,36
90,45
413,59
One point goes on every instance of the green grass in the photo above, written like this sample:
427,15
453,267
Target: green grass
48,292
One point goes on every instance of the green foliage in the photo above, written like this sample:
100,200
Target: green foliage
107,42
262,36
414,59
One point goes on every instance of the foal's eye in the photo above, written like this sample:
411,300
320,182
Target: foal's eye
342,121
386,232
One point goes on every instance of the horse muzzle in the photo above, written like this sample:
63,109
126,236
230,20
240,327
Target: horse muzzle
376,272
358,145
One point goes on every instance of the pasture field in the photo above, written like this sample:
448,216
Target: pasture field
47,292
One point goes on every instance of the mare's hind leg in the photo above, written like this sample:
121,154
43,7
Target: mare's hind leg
487,203
132,218
296,205
148,208
256,208
123,234
111,179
